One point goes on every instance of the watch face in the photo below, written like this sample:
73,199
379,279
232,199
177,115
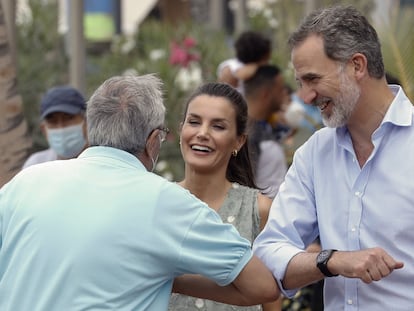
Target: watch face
323,255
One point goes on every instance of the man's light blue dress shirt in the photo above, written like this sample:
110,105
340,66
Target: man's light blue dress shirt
327,193
101,233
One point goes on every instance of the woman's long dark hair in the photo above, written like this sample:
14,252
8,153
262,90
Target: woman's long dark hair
239,168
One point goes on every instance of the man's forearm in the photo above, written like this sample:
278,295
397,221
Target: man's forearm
302,271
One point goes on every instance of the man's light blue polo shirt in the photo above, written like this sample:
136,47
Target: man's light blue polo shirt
101,233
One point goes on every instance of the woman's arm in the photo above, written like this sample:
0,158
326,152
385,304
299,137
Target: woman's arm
263,203
273,306
254,285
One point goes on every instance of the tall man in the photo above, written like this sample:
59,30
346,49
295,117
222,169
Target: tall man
351,183
101,232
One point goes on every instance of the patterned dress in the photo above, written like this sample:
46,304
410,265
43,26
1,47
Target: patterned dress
239,209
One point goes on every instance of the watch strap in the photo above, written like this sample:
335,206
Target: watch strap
323,265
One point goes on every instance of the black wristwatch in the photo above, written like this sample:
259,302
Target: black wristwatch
322,261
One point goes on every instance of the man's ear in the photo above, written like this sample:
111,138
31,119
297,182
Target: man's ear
152,145
151,150
359,65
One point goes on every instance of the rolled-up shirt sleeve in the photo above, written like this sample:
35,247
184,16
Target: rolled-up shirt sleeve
292,223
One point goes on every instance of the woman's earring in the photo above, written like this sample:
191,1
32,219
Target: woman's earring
234,153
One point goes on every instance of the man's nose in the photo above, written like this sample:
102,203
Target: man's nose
307,94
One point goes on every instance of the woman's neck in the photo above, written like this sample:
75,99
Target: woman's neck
211,189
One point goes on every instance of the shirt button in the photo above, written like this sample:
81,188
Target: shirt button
349,301
353,229
357,193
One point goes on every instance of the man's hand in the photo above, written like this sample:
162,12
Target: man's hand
369,265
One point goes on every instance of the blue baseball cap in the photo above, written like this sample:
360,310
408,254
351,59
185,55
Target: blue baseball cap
62,99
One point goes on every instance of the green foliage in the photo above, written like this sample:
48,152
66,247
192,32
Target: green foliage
41,61
398,46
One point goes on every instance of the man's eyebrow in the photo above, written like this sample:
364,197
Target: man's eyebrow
310,76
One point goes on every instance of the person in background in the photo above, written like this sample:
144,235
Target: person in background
252,49
218,171
62,114
291,115
295,123
351,183
265,94
102,232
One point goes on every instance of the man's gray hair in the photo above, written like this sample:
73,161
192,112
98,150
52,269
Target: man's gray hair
123,112
344,31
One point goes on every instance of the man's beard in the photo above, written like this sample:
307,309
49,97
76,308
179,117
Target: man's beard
344,104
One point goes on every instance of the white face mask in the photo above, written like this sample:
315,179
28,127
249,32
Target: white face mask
67,142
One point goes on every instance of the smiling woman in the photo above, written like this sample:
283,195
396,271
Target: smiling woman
218,170
216,117
208,133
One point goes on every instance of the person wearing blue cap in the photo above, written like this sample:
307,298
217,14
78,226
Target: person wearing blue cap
62,113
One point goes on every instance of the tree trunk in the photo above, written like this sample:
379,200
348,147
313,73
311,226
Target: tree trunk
174,11
14,140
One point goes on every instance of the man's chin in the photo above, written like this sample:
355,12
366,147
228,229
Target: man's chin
328,122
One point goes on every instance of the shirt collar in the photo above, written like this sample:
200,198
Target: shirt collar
112,155
399,113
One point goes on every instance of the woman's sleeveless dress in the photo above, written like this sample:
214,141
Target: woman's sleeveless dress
239,209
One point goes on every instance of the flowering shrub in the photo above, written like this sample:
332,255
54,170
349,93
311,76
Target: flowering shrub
186,57
183,53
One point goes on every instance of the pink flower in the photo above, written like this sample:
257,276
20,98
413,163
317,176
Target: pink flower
181,54
189,42
193,57
178,55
